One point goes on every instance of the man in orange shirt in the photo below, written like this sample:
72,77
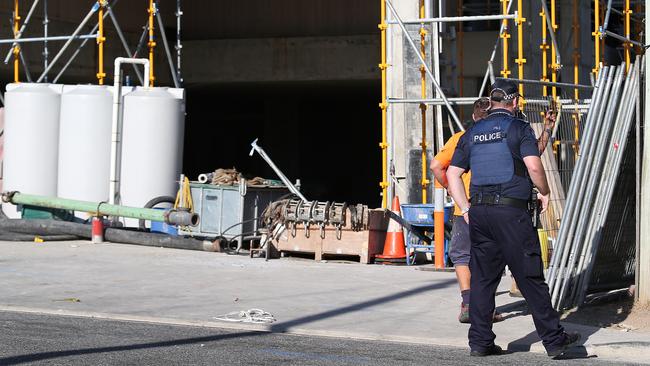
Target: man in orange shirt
459,248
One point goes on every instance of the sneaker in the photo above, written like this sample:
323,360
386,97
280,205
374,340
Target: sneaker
464,313
492,351
570,340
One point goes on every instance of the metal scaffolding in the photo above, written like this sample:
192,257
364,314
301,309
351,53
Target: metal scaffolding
103,9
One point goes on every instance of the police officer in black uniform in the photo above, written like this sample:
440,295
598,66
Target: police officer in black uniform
501,151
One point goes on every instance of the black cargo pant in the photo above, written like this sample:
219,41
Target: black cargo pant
503,235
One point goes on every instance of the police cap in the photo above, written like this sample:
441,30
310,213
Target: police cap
503,90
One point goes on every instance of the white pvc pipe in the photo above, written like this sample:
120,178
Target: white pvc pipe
116,144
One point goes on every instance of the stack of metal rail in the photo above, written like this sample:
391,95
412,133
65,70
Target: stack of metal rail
608,123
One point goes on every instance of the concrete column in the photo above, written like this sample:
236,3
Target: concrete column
643,256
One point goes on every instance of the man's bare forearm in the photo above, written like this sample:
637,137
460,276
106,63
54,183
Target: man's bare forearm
439,172
456,188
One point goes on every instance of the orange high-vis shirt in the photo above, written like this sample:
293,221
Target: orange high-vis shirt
444,158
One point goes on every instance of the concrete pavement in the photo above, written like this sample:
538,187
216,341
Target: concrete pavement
347,300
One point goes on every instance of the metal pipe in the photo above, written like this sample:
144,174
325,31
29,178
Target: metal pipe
118,30
458,19
28,75
22,29
390,140
549,83
520,60
435,101
493,55
624,39
576,56
46,39
426,67
152,43
16,49
544,47
627,45
598,215
551,31
383,105
277,170
559,254
597,37
576,192
505,72
171,217
100,44
424,182
65,46
46,53
116,129
594,163
555,65
607,12
179,46
587,152
167,50
76,52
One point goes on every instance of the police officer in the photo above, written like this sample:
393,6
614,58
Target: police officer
501,151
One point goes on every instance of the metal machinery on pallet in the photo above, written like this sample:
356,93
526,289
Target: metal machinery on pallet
321,214
231,212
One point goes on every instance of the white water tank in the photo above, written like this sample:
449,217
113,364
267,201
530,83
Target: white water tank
152,145
85,143
31,140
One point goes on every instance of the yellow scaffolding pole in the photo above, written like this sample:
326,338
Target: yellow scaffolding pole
505,72
383,105
627,45
554,66
520,61
423,107
544,47
151,43
100,44
596,34
16,50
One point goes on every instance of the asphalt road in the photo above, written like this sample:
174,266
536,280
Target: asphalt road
56,340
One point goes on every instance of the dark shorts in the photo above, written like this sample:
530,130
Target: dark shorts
460,243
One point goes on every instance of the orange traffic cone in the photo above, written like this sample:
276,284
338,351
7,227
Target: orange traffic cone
394,247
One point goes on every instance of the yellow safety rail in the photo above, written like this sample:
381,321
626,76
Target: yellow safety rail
423,107
16,50
576,76
100,44
505,72
544,47
627,45
554,65
151,43
520,61
383,105
596,34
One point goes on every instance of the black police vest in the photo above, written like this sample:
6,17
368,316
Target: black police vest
491,160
